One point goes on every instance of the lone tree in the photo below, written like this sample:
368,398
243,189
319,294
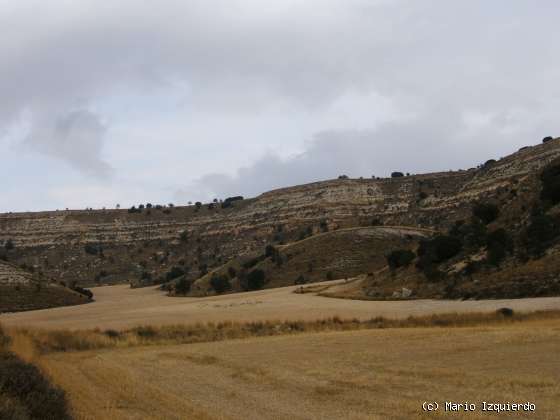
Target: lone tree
547,139
396,174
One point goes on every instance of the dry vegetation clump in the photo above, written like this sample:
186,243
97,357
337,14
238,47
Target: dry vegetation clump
47,341
25,393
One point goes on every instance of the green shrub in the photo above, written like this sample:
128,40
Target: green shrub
550,178
300,280
26,393
540,233
498,245
440,248
255,279
174,273
400,258
183,286
93,249
487,212
220,284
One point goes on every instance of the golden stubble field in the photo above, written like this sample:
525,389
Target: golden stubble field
361,374
368,374
122,307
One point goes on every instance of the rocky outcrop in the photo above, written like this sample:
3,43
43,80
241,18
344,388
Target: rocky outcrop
150,243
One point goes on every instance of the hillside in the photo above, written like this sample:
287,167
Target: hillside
21,291
332,255
98,247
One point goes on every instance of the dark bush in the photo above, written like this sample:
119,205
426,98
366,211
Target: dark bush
550,178
232,272
183,286
400,258
145,332
112,333
440,248
255,279
300,280
547,139
540,233
253,261
396,174
343,177
507,312
32,395
270,251
220,284
499,244
9,245
86,292
93,249
228,202
329,275
486,212
184,237
174,272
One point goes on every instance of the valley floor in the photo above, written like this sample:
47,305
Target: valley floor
367,374
121,307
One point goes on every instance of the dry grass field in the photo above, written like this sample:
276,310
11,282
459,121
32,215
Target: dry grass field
177,366
366,374
120,307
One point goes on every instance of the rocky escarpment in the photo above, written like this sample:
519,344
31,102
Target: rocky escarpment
21,291
110,246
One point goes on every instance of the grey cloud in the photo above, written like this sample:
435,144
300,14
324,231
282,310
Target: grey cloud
435,60
437,141
75,137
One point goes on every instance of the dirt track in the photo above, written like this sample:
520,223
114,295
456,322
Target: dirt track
121,307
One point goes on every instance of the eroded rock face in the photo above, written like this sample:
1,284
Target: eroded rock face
53,242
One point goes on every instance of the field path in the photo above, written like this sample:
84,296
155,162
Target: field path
121,307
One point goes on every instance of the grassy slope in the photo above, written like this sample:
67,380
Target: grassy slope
338,254
19,291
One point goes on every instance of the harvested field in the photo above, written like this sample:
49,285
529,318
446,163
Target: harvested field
366,374
120,307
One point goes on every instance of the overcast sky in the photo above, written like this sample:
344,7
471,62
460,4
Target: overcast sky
106,102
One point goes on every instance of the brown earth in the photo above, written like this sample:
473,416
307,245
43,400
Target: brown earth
121,307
